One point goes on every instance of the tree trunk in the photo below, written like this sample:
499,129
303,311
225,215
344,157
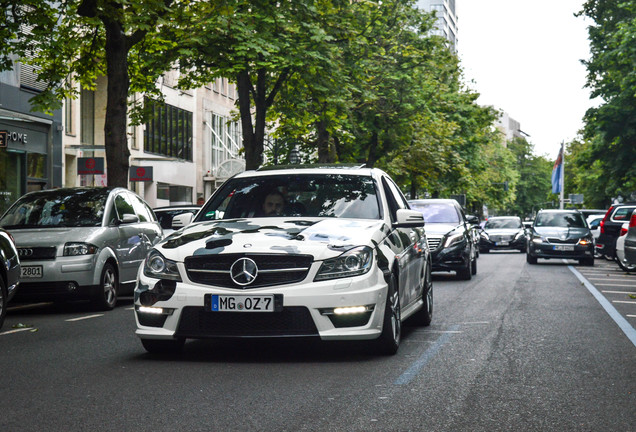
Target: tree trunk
325,155
115,140
373,147
244,88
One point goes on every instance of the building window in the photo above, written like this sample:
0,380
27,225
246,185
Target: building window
169,132
69,114
87,121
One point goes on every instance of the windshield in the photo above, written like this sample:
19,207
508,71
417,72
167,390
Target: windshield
437,212
305,195
565,220
57,208
503,223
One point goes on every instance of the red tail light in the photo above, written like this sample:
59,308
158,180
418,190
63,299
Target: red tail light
632,221
607,215
623,230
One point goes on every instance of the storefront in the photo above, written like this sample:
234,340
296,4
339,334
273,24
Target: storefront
30,159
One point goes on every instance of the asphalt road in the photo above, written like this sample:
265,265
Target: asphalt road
519,347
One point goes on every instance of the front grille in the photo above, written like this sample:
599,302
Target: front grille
554,240
36,253
272,269
196,322
500,238
433,242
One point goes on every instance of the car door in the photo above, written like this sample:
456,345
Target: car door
409,257
130,246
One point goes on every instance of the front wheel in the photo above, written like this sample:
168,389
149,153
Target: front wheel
531,259
389,340
466,272
626,267
424,316
106,297
4,298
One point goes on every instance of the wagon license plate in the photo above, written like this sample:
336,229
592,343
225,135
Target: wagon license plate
242,303
502,243
563,247
29,272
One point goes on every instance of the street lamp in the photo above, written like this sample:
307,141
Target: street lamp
294,156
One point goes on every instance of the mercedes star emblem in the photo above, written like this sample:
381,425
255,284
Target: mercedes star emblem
243,271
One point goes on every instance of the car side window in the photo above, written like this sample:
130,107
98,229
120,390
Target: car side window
141,208
124,206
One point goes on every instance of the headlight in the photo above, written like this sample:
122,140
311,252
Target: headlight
354,262
519,235
156,266
585,241
484,236
76,249
453,239
537,239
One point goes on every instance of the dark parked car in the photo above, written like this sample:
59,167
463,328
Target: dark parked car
503,232
611,228
560,234
449,233
80,243
630,243
9,271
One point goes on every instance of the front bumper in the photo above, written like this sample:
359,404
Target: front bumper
519,243
305,311
549,250
452,258
61,278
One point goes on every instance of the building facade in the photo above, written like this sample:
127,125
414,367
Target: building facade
446,24
31,154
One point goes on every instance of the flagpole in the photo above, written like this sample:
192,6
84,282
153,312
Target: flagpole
562,179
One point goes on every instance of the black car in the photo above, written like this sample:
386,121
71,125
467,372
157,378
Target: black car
9,271
630,241
560,234
611,224
503,232
449,233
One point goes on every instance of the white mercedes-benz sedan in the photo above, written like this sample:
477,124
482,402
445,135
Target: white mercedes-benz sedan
333,253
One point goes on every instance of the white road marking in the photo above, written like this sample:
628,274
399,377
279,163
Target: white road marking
623,301
84,317
16,331
619,292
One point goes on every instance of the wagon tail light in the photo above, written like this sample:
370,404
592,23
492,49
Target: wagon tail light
602,224
623,231
632,221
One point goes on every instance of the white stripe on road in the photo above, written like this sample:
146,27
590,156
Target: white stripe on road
611,310
27,306
623,301
615,285
16,331
619,292
84,317
625,279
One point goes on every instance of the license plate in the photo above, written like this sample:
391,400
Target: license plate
563,247
502,243
243,303
31,271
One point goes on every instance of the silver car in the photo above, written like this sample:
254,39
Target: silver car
80,243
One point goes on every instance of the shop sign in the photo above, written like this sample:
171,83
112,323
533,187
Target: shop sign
90,165
138,174
4,138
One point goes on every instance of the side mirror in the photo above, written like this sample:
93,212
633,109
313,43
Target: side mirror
179,221
472,219
128,219
409,219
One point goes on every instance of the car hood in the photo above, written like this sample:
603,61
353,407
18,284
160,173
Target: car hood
439,229
321,238
561,232
32,237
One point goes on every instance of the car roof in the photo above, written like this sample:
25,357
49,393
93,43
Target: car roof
178,207
310,169
559,211
432,200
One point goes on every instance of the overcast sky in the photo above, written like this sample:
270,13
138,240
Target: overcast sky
523,57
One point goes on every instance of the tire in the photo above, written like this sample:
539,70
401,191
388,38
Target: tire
473,269
163,346
466,273
4,299
531,259
389,340
106,298
586,261
485,250
627,268
424,316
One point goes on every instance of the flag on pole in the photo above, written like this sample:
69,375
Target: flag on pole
556,172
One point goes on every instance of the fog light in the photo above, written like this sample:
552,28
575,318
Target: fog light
150,310
72,286
350,310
